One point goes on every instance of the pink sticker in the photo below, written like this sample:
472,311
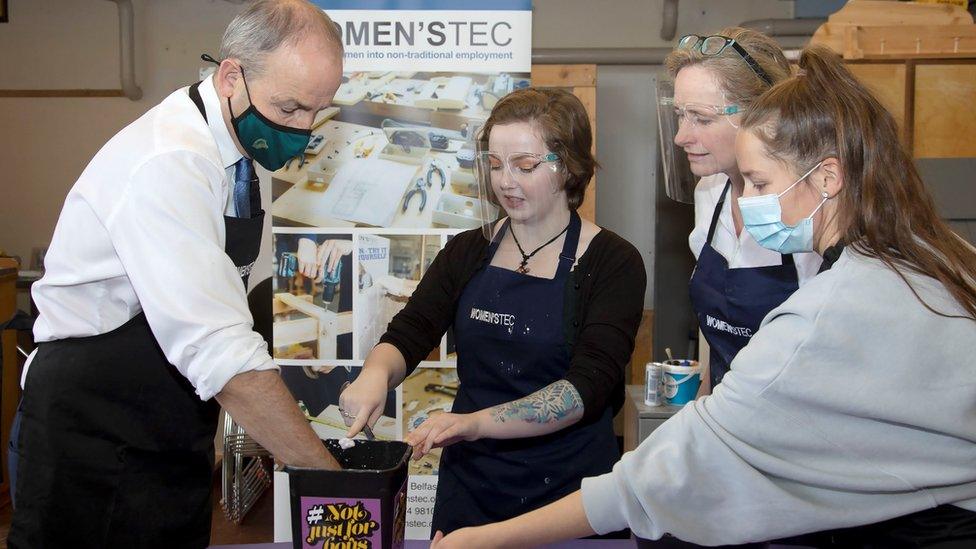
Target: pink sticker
347,523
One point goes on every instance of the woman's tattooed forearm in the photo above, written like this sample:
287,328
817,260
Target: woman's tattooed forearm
551,403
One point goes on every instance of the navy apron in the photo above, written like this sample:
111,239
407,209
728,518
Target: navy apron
117,450
512,342
731,303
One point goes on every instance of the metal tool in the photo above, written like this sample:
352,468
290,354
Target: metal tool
287,264
438,141
309,417
366,429
434,169
298,159
442,389
408,139
330,281
418,188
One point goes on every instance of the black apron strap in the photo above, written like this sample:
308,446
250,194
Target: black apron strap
254,188
787,259
197,100
567,257
496,240
717,212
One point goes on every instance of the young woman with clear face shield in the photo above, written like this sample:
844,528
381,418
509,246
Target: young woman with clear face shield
736,281
848,418
545,308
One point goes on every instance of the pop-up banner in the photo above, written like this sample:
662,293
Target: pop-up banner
386,180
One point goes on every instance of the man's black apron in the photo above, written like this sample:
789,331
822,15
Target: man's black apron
116,448
511,342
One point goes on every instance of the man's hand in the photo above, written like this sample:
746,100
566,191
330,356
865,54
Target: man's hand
261,403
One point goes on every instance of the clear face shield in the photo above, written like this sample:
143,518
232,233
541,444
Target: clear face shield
676,126
499,172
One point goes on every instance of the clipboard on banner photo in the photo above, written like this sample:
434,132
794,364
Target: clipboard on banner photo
365,191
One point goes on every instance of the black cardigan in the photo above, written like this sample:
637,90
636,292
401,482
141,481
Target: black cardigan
602,311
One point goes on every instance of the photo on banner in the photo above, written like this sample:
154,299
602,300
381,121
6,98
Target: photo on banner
389,268
317,388
427,392
390,167
396,149
313,296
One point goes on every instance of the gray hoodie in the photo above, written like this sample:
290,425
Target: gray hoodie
852,404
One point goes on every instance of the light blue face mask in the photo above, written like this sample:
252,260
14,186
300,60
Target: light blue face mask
762,216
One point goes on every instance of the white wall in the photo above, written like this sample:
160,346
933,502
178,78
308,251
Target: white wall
47,142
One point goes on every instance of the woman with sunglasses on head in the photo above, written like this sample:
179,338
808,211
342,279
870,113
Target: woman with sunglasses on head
545,308
736,281
837,417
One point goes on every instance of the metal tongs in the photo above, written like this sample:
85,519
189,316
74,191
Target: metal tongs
366,430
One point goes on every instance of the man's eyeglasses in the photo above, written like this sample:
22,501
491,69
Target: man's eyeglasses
715,44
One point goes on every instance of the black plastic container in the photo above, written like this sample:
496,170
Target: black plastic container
363,506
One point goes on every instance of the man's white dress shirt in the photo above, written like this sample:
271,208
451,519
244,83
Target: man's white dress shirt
142,230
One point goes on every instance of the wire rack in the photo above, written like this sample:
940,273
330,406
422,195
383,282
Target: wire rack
246,471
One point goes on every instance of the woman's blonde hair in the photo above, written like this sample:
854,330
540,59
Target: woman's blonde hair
740,84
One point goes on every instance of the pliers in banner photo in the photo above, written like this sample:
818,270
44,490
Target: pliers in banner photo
418,188
432,170
298,159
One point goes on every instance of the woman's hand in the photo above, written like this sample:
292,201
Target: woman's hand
363,400
561,520
465,538
307,256
442,430
329,254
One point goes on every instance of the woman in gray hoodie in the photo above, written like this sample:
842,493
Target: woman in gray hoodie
852,411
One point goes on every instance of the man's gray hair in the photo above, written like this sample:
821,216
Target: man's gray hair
265,25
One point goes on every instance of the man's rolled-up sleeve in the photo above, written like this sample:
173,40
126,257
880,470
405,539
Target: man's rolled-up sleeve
168,232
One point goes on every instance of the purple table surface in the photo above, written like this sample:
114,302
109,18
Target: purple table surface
416,544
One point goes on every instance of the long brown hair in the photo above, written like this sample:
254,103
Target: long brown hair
884,209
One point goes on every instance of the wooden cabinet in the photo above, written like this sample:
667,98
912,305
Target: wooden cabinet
580,80
9,379
933,100
640,420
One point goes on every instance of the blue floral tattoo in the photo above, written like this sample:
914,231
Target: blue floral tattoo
551,403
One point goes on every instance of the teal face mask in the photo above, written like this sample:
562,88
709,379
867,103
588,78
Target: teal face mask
762,216
269,144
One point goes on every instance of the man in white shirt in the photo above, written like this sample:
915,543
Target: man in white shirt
143,315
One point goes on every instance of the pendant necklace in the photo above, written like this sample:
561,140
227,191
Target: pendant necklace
523,266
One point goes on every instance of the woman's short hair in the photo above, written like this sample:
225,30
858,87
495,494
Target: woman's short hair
265,25
564,126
